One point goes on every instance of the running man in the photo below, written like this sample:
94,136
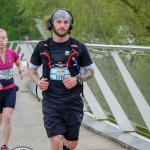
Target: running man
61,85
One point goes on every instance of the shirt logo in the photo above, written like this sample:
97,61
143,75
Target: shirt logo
67,53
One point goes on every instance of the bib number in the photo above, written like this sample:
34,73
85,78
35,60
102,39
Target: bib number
6,74
58,74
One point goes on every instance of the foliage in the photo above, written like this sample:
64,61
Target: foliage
14,23
97,21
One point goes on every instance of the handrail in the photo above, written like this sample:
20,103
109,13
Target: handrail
120,47
113,52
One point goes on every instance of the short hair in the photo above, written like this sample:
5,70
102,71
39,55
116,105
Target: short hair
2,30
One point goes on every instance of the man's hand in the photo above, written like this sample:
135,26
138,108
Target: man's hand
70,82
43,84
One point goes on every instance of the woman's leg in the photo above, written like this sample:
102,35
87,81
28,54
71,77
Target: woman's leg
6,128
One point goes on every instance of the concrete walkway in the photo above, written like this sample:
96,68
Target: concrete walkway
28,129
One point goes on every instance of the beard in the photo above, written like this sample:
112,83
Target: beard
59,33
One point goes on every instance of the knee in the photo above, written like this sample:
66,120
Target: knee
72,145
7,120
56,142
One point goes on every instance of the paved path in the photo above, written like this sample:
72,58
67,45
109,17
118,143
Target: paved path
28,129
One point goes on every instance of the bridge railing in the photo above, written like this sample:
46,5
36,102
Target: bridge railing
120,89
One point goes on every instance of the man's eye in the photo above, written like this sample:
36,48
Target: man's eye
58,21
66,22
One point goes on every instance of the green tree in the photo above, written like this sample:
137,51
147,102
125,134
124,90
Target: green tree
100,21
137,19
14,23
95,21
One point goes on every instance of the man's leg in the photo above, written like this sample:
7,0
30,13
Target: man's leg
69,145
6,127
56,142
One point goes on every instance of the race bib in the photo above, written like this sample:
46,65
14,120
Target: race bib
6,74
58,74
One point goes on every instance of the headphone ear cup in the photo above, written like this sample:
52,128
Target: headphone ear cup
71,26
49,26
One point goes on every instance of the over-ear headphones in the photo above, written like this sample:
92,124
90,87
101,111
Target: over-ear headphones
50,24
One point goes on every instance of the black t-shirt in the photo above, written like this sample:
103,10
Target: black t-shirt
59,53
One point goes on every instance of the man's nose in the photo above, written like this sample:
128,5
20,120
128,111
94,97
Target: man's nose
62,24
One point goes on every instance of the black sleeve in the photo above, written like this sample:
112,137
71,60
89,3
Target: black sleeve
36,57
84,56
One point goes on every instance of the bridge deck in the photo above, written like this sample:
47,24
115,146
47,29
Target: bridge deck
28,129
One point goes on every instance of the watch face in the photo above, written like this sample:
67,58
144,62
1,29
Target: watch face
79,80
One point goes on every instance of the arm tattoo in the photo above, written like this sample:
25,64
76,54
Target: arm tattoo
87,75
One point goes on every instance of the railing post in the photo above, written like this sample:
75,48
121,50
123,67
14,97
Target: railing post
120,116
134,90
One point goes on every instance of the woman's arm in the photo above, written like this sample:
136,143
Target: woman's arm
20,68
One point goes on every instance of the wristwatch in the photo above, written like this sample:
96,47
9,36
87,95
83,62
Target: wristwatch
79,79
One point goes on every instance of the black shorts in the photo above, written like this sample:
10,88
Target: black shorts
8,98
63,119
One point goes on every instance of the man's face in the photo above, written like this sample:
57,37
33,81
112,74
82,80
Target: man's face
61,27
3,39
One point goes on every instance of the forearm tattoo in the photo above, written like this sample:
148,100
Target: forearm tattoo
87,75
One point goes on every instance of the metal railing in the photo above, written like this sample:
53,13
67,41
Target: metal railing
120,90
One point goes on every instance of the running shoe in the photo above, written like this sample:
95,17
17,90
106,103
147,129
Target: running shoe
4,148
